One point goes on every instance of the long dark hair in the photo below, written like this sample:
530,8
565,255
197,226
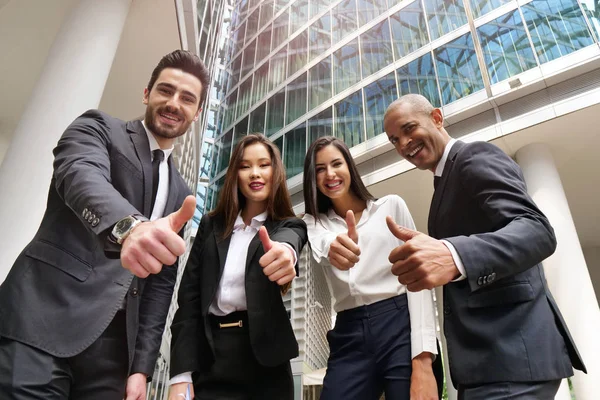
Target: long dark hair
316,202
231,200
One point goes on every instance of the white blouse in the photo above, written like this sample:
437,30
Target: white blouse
371,279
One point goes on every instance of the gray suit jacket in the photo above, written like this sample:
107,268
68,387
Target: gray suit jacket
68,283
501,323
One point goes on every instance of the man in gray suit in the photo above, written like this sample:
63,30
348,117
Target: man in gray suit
75,324
506,337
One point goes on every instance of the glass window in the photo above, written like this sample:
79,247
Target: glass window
238,38
277,70
369,9
376,45
557,28
207,150
321,124
320,83
378,96
349,119
275,112
445,16
263,45
346,66
409,31
248,58
298,53
236,68
261,82
230,111
280,4
482,7
257,119
296,99
266,12
506,47
298,15
244,97
240,130
458,69
317,6
418,77
592,9
243,8
343,19
252,24
225,149
295,150
280,30
320,36
279,143
214,163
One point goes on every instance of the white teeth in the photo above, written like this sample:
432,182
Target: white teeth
415,151
169,117
333,185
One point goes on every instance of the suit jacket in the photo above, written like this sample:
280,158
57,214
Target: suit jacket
68,283
271,335
501,323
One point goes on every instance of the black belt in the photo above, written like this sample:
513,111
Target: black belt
237,319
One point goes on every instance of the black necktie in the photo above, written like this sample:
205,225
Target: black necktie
436,181
158,156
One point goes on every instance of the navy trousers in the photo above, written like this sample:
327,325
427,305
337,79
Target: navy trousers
370,353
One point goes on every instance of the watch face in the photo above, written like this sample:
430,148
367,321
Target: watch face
123,226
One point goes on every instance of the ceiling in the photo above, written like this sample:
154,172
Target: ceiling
574,141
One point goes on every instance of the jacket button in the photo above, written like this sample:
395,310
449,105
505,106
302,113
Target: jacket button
446,310
480,281
492,277
134,292
95,222
84,212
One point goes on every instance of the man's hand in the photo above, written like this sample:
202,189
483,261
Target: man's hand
136,387
422,262
178,391
150,245
278,260
344,250
423,385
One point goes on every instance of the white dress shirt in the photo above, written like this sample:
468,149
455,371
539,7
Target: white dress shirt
439,170
162,193
371,279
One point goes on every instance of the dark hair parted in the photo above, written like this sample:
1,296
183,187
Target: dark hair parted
187,62
316,202
231,201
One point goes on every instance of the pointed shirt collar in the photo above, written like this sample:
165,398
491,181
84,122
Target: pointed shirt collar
154,144
256,222
439,170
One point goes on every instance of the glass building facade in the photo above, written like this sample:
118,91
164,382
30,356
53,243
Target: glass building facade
299,69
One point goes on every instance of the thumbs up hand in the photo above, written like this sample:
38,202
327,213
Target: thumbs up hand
278,260
344,251
152,244
421,262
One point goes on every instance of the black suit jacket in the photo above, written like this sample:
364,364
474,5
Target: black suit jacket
67,284
271,334
501,323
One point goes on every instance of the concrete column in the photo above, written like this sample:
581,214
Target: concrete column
71,82
566,270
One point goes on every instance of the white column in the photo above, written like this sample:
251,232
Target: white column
71,82
439,301
566,270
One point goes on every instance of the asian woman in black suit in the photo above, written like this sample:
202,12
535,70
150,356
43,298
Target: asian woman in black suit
231,335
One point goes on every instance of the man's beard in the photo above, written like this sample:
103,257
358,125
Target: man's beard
167,133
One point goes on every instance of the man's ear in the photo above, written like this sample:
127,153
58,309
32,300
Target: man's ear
146,94
197,114
437,117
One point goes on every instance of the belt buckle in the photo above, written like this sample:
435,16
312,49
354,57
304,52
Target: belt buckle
238,324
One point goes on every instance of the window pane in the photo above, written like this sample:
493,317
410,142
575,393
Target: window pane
248,58
296,99
557,28
252,23
275,107
280,30
230,111
266,12
277,70
592,9
214,163
261,82
280,4
225,150
346,66
376,48
240,130
369,9
409,31
238,38
263,46
321,124
445,16
316,6
343,19
506,47
320,36
257,119
298,53
244,97
378,96
236,68
320,83
458,69
482,7
349,119
419,77
298,15
295,150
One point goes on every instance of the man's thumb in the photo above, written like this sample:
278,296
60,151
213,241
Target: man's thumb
179,218
264,238
351,223
400,232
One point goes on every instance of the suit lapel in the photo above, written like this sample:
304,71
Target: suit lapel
436,200
142,148
222,244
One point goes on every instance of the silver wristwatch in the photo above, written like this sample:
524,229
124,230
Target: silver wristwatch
123,228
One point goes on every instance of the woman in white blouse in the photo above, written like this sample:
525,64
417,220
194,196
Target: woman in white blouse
384,339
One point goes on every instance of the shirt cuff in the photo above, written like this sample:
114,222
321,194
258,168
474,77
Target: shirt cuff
457,261
185,377
421,343
293,252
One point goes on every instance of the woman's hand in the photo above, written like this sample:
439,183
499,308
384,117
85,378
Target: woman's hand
423,385
278,262
344,250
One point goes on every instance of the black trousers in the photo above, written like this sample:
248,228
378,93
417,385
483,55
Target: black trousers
236,374
510,391
97,373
